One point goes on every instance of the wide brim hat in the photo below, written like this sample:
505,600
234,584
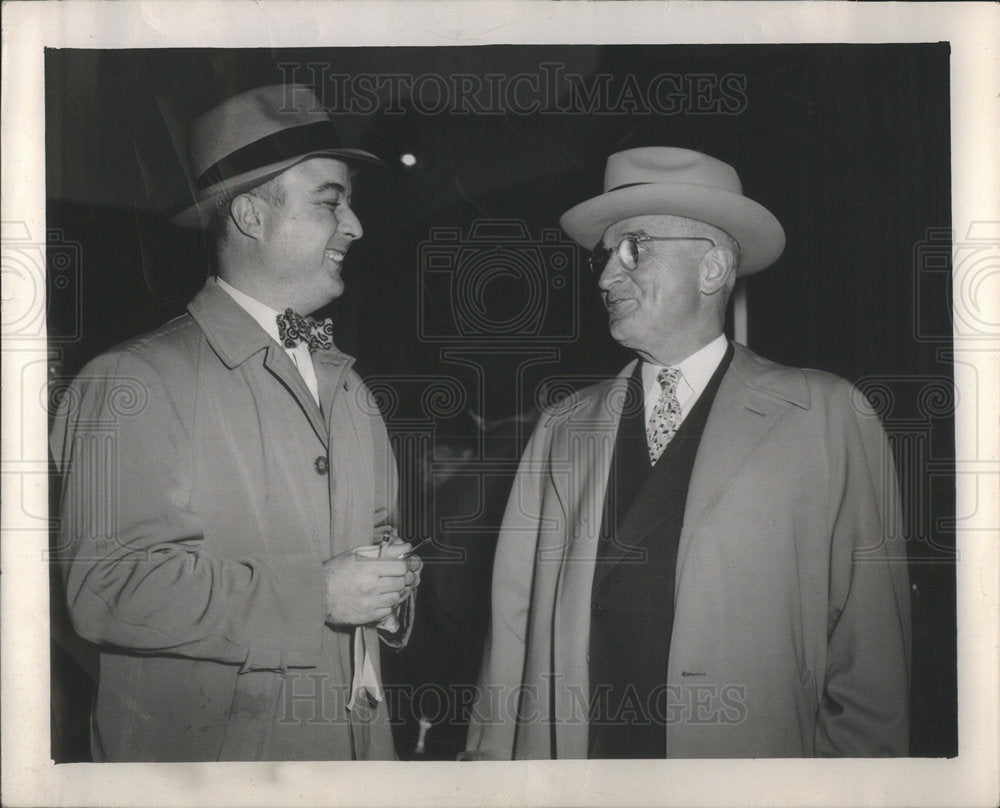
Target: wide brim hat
253,137
661,180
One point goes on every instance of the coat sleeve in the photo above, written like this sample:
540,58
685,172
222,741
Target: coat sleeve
384,517
131,547
386,491
864,709
493,725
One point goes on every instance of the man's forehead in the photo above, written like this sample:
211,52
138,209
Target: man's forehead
320,174
651,224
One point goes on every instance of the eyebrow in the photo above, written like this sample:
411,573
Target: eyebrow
329,186
626,234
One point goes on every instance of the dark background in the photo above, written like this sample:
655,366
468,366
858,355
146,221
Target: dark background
848,145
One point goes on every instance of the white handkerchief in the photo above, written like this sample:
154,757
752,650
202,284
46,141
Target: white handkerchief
365,682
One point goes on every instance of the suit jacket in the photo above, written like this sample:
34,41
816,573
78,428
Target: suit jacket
203,490
791,632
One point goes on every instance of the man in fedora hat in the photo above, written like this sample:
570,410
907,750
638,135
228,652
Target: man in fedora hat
225,473
700,556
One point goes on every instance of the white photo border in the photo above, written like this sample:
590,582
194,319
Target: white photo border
972,29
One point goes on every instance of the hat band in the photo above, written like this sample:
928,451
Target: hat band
626,185
274,148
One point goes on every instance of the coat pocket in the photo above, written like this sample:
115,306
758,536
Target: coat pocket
251,716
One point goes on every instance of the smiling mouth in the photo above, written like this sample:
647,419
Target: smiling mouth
335,255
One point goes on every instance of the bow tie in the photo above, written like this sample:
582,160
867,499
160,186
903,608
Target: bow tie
294,329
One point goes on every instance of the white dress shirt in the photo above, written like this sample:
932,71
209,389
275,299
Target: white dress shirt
696,371
266,318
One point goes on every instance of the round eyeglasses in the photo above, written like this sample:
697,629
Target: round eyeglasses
628,250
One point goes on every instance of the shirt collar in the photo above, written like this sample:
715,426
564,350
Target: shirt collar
696,370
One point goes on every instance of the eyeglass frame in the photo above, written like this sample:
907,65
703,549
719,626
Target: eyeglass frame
600,249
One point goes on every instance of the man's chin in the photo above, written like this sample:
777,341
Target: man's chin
336,288
620,332
331,293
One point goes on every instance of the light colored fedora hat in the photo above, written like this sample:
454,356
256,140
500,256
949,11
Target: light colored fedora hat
678,182
252,137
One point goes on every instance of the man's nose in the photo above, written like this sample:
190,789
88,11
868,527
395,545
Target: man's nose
348,223
612,273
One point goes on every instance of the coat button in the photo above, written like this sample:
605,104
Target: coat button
321,464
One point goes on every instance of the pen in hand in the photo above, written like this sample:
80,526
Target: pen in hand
415,547
388,535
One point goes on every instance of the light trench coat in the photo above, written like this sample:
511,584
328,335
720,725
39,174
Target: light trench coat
791,632
203,490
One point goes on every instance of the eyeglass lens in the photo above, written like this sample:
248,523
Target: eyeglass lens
599,258
628,250
628,254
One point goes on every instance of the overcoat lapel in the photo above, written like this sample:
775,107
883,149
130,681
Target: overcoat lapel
347,525
580,460
331,376
331,369
744,412
235,336
280,364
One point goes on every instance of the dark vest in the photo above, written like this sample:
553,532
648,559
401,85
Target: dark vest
633,591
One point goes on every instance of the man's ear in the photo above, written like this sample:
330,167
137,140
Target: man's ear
246,214
718,270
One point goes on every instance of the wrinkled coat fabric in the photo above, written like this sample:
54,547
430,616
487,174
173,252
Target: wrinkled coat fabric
202,491
791,632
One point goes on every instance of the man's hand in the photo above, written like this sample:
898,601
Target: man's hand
361,589
413,564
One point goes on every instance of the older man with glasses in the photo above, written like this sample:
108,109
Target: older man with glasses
700,557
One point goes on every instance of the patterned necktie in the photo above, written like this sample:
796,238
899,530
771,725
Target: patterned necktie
294,329
666,414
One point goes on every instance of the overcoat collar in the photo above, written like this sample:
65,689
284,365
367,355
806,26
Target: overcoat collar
751,385
235,337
